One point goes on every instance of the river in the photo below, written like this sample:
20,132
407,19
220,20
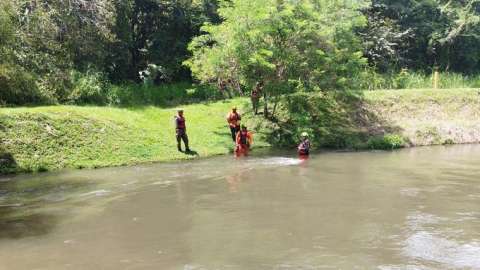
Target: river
410,209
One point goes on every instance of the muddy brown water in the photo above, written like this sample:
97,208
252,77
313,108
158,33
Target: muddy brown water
410,209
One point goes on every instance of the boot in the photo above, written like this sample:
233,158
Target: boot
179,147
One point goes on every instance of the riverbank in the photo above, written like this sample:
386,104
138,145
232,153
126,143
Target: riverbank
56,137
429,117
381,119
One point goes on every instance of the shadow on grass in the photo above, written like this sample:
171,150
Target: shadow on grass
8,163
223,133
191,153
173,106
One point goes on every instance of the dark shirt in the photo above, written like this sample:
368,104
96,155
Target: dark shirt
180,122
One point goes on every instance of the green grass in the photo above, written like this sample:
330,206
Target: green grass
418,80
55,137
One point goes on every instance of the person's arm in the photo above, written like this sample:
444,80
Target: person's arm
239,117
237,139
302,146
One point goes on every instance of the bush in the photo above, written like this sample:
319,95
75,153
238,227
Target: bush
386,142
88,88
17,86
325,116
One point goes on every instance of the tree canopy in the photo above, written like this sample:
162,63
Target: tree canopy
49,48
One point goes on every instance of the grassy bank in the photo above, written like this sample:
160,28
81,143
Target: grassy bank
381,119
55,137
429,117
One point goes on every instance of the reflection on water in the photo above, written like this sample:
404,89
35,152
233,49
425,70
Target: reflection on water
411,209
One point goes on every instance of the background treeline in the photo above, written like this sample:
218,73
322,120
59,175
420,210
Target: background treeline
132,51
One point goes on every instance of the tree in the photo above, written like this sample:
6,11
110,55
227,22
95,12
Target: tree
286,44
423,34
156,32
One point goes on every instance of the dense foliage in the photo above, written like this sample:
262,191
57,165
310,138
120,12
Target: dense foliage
424,34
70,51
78,51
285,45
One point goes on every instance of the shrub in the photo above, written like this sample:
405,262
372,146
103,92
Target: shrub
386,142
448,142
88,88
17,86
325,116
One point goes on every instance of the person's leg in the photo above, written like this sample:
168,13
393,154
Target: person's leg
255,105
185,141
179,138
233,131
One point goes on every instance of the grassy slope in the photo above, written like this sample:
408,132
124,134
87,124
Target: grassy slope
427,117
49,138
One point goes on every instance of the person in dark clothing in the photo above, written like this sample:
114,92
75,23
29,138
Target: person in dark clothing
255,96
181,131
233,119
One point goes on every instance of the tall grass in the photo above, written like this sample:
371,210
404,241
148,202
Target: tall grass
418,80
161,95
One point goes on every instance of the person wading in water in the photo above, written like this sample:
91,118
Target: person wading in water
233,119
244,141
181,131
304,146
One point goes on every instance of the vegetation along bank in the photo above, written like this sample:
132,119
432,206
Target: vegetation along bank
56,137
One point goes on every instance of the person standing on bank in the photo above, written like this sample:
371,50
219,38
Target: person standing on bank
255,96
233,119
181,131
